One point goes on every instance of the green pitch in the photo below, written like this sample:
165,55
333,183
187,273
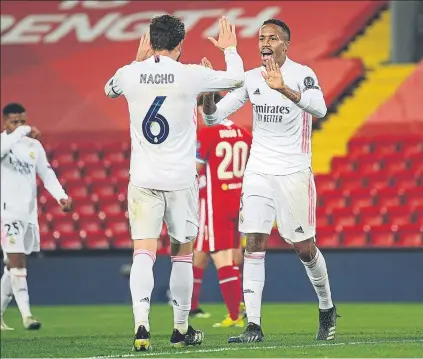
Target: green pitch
364,330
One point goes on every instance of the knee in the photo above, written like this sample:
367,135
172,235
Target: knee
256,242
306,250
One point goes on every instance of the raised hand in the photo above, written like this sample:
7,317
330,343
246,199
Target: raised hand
144,49
227,35
273,75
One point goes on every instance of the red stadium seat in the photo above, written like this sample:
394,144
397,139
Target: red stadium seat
89,158
351,182
325,183
371,216
103,189
116,158
354,236
389,197
55,210
359,147
70,174
77,189
399,218
386,147
414,197
64,226
93,174
119,226
368,166
411,148
411,235
379,181
405,181
45,229
90,225
322,218
63,159
121,174
87,147
119,147
361,198
332,201
344,217
48,243
97,243
327,237
341,166
383,236
70,241
122,242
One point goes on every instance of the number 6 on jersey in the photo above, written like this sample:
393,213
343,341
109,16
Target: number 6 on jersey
154,126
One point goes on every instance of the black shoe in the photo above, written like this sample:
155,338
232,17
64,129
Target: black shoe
327,324
192,337
142,340
198,313
252,334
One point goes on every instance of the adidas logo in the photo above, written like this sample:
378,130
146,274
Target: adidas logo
299,230
146,300
256,92
175,303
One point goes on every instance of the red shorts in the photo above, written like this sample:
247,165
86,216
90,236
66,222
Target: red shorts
218,227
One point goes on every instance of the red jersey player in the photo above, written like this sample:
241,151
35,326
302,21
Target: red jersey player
222,153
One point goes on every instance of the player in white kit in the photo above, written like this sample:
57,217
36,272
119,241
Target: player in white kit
278,181
22,158
162,99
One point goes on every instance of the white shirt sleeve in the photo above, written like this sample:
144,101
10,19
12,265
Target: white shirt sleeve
47,175
113,87
229,104
312,100
8,140
212,81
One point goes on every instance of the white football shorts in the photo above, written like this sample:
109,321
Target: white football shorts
178,209
290,199
20,237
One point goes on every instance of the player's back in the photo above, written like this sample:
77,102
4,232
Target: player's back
225,149
161,98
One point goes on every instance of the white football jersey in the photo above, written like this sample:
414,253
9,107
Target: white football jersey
22,158
162,101
281,129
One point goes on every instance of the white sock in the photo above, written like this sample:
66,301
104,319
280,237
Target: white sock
181,285
253,283
6,290
141,282
20,290
318,274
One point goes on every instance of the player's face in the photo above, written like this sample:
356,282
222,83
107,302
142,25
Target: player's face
272,43
13,121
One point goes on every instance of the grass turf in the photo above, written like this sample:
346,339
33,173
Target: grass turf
364,330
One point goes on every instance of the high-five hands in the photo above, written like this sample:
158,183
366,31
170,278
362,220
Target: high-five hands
273,75
227,35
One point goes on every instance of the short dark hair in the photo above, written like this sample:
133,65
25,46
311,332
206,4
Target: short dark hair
13,108
281,24
166,32
217,97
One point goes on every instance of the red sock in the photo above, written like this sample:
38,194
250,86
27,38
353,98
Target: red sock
231,289
198,279
239,271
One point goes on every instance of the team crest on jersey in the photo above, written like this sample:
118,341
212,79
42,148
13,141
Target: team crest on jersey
32,155
309,83
12,240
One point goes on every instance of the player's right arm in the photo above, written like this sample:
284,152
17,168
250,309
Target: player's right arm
8,140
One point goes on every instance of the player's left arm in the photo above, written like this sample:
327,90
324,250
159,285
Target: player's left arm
51,183
113,87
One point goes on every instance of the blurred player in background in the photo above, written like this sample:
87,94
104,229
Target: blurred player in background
222,153
162,99
22,158
278,181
